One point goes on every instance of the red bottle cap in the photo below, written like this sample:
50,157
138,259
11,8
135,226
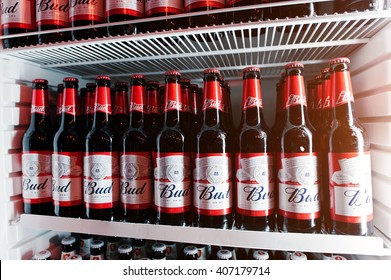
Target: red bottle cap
107,78
326,70
251,69
212,71
137,76
40,81
294,65
121,84
172,73
70,79
339,60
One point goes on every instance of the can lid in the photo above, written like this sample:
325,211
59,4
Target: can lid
159,247
97,244
70,79
297,256
224,254
40,81
338,258
294,65
104,78
69,240
260,255
137,76
339,60
190,250
212,71
251,69
42,255
326,70
172,73
74,258
124,249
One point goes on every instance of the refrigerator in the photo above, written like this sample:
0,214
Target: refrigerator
364,37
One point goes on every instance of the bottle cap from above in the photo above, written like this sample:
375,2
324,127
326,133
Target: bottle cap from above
95,244
104,78
125,249
297,256
42,255
69,240
212,71
70,79
190,250
224,254
159,247
339,60
260,255
294,65
40,81
251,69
172,73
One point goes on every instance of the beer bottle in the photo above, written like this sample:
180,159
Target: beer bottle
86,13
224,255
190,253
227,106
18,17
125,252
97,250
358,5
280,114
85,246
136,160
52,15
153,118
350,186
90,105
196,110
311,100
205,19
112,248
139,249
37,146
159,251
318,113
101,164
60,94
158,8
172,160
254,161
297,162
327,111
212,173
120,112
187,111
82,116
67,158
123,10
44,255
68,247
293,10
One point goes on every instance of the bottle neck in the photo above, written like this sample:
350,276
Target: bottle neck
212,103
153,101
187,101
137,105
69,108
295,100
120,104
252,102
172,103
39,108
102,107
342,99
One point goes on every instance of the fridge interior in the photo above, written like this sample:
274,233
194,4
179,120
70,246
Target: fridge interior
362,36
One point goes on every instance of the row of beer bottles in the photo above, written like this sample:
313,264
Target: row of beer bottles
27,16
297,177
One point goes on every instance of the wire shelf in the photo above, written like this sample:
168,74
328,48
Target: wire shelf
230,47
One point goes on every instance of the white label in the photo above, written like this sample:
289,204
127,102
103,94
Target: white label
353,201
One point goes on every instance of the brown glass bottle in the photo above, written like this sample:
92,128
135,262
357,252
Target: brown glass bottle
60,92
136,159
153,118
350,186
250,15
37,145
196,106
187,112
157,8
292,11
67,158
317,121
101,163
18,17
213,195
90,105
172,161
311,100
119,10
121,109
254,162
52,15
82,116
358,5
297,162
86,13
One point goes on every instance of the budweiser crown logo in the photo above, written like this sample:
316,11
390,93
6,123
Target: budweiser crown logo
344,97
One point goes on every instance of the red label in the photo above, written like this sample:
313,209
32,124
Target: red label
210,4
40,103
137,99
212,184
173,97
36,177
342,91
255,185
103,100
169,7
298,185
295,91
125,7
67,181
213,96
18,14
87,10
350,187
52,12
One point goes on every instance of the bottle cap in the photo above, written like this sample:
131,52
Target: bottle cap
326,70
104,78
294,65
42,255
190,250
297,256
185,81
95,244
70,79
338,258
159,247
260,255
125,249
224,254
172,73
137,76
212,71
69,240
339,60
153,83
74,258
251,69
40,81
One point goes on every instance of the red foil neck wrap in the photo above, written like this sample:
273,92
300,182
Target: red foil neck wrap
102,100
212,96
70,101
295,92
341,86
173,97
137,99
40,103
252,94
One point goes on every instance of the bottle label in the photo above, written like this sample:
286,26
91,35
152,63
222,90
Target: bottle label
296,99
101,182
173,98
70,109
125,7
65,255
85,247
351,187
153,102
298,186
139,252
103,101
213,96
212,184
172,182
327,103
91,10
171,252
343,89
169,7
136,180
194,4
36,177
112,251
52,12
255,187
67,178
17,14
137,99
